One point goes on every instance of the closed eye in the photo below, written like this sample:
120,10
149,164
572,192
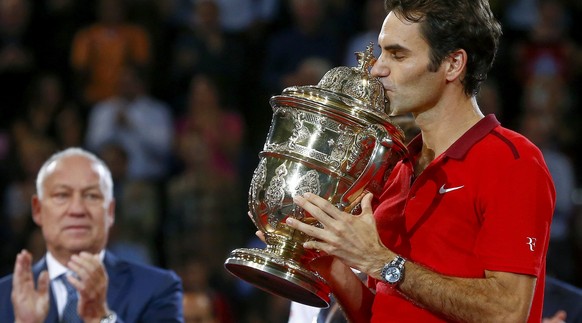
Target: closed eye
397,52
397,56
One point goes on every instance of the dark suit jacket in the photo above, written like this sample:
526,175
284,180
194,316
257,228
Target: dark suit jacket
560,295
137,293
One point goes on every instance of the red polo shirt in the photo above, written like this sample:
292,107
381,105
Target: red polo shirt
484,204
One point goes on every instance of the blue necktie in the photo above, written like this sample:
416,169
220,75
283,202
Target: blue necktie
70,311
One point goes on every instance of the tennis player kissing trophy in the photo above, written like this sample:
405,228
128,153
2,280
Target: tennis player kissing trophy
334,140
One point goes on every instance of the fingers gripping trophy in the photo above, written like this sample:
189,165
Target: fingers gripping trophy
335,140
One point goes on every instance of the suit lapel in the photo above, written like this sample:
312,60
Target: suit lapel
53,315
119,281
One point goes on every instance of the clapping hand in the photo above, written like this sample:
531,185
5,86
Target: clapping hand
91,283
30,304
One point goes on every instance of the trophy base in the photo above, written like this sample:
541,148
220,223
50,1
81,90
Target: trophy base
279,276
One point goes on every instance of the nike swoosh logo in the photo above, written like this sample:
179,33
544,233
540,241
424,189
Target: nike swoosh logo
444,190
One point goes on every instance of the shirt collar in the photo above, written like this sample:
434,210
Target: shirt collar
459,148
56,269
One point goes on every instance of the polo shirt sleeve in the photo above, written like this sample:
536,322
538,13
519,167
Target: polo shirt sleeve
516,208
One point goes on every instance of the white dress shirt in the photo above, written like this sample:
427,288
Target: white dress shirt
55,270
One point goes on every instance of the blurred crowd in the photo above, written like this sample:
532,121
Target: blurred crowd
174,96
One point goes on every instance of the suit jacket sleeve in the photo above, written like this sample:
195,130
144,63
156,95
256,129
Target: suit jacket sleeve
140,293
166,306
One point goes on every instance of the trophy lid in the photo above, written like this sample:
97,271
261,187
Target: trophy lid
350,93
351,86
357,82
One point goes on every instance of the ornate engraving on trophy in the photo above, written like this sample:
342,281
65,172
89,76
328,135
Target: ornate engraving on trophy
300,133
339,147
365,140
308,183
306,128
258,180
276,193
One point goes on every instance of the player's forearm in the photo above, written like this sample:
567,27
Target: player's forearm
354,297
491,299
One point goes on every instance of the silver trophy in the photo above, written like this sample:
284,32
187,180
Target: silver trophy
334,140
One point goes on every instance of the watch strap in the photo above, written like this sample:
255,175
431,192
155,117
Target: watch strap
399,262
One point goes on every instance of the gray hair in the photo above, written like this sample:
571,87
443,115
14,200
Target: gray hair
105,180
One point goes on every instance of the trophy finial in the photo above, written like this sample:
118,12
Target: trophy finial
366,59
357,82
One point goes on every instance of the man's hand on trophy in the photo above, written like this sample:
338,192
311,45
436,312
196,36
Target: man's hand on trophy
258,233
351,238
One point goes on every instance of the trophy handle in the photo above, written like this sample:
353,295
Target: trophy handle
383,144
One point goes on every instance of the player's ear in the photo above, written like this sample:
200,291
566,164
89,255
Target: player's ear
455,64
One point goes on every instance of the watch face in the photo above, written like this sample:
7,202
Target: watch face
392,274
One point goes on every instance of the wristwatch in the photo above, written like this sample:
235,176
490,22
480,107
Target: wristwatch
110,317
393,272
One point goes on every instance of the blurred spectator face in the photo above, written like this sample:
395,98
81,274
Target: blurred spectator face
307,13
203,94
551,23
207,14
193,151
375,14
545,94
195,275
198,308
14,15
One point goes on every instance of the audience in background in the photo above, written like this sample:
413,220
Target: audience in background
203,47
140,123
55,23
138,209
205,196
51,113
31,151
540,128
198,308
245,17
100,51
17,57
309,35
373,17
309,71
199,279
220,127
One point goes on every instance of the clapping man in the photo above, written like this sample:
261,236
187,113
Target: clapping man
78,279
